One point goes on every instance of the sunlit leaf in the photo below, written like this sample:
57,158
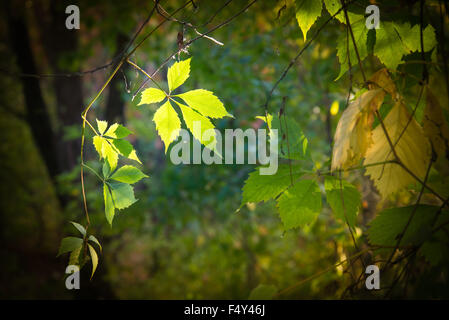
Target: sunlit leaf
94,257
122,195
205,102
307,12
167,123
195,121
178,74
152,95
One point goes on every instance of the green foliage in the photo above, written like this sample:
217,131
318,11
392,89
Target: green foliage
343,198
204,102
346,51
389,224
128,174
265,187
300,205
307,12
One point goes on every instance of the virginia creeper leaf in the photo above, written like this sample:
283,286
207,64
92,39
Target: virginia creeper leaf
128,174
122,195
205,102
108,204
167,123
94,257
178,74
152,95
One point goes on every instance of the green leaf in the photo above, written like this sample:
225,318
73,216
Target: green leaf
389,48
300,204
79,227
265,187
411,36
344,42
102,125
434,252
152,95
292,142
192,117
307,12
69,244
117,131
344,200
388,224
178,74
122,132
167,123
205,102
108,204
106,170
263,292
94,257
124,147
95,240
128,174
122,195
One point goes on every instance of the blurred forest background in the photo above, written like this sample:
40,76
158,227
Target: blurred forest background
183,238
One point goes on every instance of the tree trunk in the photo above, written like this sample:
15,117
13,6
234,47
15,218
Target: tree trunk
37,113
60,42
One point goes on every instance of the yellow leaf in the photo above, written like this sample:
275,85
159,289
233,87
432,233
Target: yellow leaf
110,154
353,135
381,79
133,156
197,125
178,74
167,123
94,257
102,125
111,131
412,149
151,95
98,144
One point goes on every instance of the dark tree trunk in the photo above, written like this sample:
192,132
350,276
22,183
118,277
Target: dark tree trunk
37,114
115,104
60,42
